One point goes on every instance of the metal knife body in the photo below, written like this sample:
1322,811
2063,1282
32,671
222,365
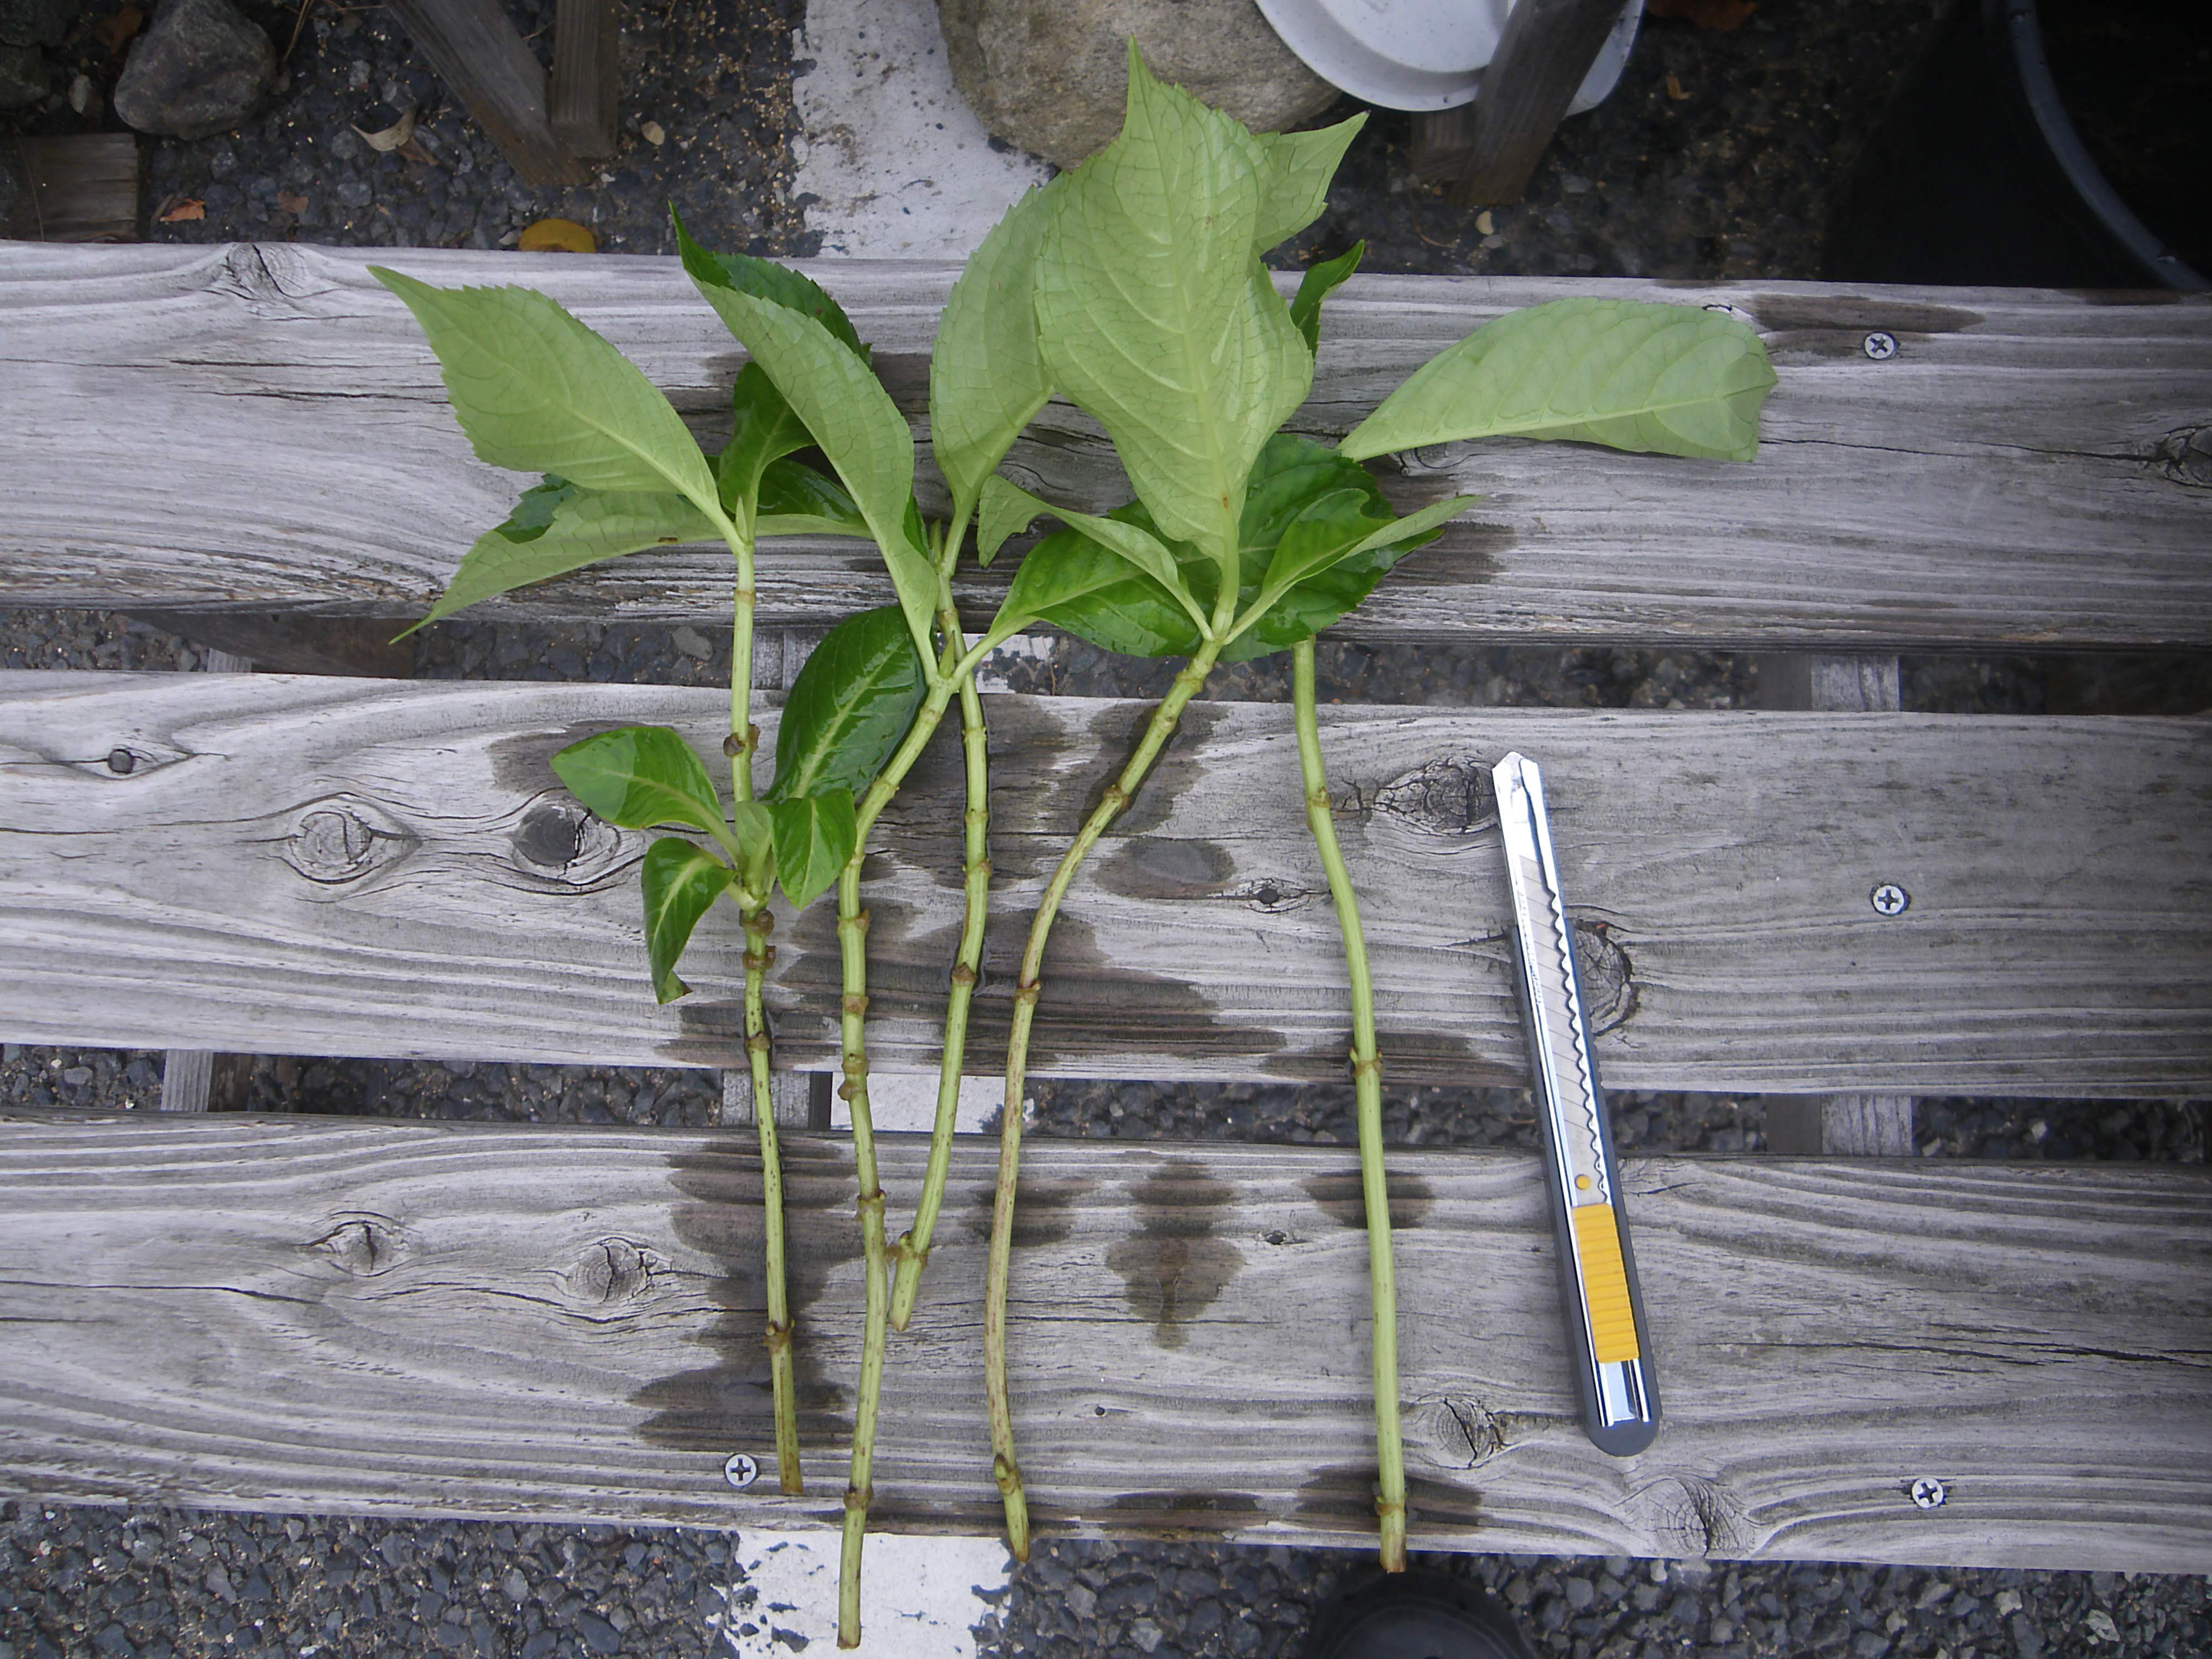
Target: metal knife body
1597,1269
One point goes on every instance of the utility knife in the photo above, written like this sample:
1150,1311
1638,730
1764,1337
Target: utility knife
1597,1269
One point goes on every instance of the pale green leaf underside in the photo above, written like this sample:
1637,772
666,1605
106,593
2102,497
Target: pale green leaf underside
1155,315
986,380
536,391
1004,502
1662,378
1295,170
680,883
856,425
582,528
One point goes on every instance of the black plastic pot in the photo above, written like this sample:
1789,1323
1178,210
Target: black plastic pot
1978,176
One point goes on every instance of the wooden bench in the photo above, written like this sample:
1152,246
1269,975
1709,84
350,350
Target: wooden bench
324,1314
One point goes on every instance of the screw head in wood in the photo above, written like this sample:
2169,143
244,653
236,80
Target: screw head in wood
739,1470
1880,347
1889,899
1928,1492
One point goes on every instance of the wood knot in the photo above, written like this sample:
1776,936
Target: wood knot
343,839
2186,456
1458,1432
1607,974
559,841
1452,795
362,1246
612,1270
1272,895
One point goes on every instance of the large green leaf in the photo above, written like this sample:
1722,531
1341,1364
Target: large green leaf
764,279
986,380
681,883
1295,168
1666,380
640,776
1075,583
558,527
815,834
1155,315
856,425
1009,510
764,430
851,706
797,500
1315,286
536,391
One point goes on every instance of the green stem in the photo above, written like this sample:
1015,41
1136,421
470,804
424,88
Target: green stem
753,910
912,1252
1367,1079
1027,989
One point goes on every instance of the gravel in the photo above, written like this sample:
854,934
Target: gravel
1712,162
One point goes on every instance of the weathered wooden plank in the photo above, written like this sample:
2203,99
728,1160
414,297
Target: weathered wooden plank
80,187
587,76
479,52
319,866
2014,474
1544,53
470,1320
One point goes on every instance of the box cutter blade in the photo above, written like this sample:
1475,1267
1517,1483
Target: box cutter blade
1597,1271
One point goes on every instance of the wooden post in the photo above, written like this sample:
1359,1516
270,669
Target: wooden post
1866,1126
1545,52
477,52
79,189
587,76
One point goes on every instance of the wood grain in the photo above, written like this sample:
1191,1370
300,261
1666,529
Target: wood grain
479,52
1544,53
2016,475
562,1322
318,866
80,187
587,83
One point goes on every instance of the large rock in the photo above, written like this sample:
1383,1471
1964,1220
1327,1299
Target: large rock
36,23
1051,75
23,78
199,69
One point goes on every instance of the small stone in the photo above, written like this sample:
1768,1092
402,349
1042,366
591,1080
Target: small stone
516,1586
23,79
692,643
199,69
78,1076
599,1635
2008,1602
653,133
1580,1593
1082,1601
36,23
2101,1627
1146,1634
1869,1644
2026,1640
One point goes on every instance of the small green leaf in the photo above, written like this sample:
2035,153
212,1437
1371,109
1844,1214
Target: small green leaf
765,429
755,834
815,834
1002,502
1155,315
986,380
1004,514
1073,583
1665,379
681,883
797,500
857,426
536,391
765,279
641,775
1315,286
1295,168
557,528
851,706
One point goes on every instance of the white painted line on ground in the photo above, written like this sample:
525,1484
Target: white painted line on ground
900,165
920,1597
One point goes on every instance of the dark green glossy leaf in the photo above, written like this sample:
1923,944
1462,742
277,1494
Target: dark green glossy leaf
764,279
1315,286
1136,542
1073,583
851,706
795,500
681,883
764,430
640,776
815,834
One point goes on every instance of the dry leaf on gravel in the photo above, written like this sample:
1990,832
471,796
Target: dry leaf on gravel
291,201
115,33
557,236
190,209
393,137
1674,89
